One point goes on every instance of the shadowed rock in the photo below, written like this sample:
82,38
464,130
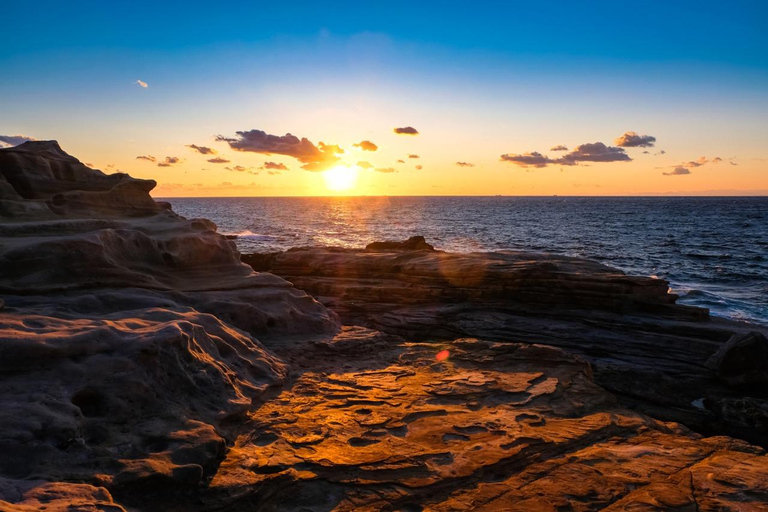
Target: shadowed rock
415,243
742,360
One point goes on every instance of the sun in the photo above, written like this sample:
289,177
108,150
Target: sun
341,178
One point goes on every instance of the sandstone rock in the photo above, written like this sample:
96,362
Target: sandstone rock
127,348
124,397
36,495
742,360
643,347
496,426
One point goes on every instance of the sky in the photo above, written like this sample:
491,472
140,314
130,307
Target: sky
397,98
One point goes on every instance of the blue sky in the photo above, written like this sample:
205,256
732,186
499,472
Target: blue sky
497,77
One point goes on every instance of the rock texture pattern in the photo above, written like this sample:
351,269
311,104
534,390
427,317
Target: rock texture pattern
645,348
371,423
128,349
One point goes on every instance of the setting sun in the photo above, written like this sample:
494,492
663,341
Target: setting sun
341,178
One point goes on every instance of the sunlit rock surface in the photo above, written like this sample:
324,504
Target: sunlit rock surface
382,425
645,348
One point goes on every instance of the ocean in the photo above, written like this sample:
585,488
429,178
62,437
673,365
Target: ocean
714,251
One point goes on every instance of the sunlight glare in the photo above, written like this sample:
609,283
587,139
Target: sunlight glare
340,178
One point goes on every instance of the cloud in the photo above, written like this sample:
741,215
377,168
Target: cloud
717,160
733,163
646,152
315,158
203,150
169,161
13,140
406,130
274,166
419,167
414,156
366,145
272,173
559,147
401,161
533,159
633,140
465,164
240,168
218,160
679,171
385,169
590,152
365,165
148,158
141,84
594,152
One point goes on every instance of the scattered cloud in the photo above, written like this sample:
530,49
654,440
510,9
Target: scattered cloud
89,164
401,161
661,152
148,158
13,140
465,164
559,147
365,165
590,152
414,156
733,163
366,145
240,168
169,161
203,150
274,166
533,159
679,171
419,167
646,152
634,140
385,169
406,130
594,152
218,160
141,84
315,158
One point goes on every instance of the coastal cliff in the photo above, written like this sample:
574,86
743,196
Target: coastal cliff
144,367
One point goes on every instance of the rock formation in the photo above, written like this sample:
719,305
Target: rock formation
128,346
645,348
144,367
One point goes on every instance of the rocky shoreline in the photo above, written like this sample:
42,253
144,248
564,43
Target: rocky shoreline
144,367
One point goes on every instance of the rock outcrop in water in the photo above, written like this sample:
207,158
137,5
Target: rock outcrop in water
643,347
143,367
